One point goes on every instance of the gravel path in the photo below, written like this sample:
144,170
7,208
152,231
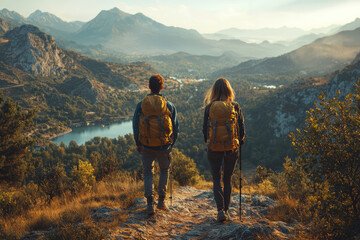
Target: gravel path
192,215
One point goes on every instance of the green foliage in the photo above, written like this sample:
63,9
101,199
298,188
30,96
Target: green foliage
87,231
53,181
329,148
184,169
14,202
76,168
83,176
15,126
262,173
296,181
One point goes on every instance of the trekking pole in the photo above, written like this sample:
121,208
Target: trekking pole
171,178
240,179
171,185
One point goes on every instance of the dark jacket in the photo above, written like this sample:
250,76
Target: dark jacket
174,122
240,122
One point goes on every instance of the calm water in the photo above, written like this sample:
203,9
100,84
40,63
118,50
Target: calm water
83,134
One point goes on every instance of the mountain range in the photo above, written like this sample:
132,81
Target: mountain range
320,57
47,22
258,35
138,34
114,31
293,38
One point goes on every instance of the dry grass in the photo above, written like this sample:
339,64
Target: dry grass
288,210
116,192
203,185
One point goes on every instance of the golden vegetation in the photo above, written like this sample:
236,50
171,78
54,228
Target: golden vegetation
321,188
118,191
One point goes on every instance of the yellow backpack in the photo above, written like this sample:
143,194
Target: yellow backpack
222,127
155,126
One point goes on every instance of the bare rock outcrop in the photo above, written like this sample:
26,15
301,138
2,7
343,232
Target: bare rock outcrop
4,26
33,51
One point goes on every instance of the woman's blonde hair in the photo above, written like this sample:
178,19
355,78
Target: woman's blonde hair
221,90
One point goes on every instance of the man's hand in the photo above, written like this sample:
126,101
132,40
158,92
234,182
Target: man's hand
139,149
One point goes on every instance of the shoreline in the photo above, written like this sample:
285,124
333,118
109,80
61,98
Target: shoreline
90,124
69,130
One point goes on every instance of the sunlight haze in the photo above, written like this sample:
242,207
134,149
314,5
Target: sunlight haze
205,16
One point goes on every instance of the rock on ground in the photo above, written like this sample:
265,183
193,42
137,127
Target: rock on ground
192,215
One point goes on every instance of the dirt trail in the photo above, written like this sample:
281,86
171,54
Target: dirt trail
192,215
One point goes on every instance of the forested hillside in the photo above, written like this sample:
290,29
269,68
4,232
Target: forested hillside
66,88
304,156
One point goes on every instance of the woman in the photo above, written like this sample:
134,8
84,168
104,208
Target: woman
224,132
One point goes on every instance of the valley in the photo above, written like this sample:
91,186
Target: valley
56,76
70,89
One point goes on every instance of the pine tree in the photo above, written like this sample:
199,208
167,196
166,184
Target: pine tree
15,127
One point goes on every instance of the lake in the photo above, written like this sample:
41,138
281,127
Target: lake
83,134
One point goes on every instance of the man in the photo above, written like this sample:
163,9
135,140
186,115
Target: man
155,129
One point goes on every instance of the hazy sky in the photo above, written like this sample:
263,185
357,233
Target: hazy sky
206,16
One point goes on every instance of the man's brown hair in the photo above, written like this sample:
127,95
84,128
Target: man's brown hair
156,82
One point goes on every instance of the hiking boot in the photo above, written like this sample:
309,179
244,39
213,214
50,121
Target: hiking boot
162,205
150,206
221,217
150,209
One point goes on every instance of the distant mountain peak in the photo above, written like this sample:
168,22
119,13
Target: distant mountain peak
37,11
116,11
351,26
139,14
12,15
5,10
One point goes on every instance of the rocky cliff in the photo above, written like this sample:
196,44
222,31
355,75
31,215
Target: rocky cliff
273,117
293,102
4,27
33,51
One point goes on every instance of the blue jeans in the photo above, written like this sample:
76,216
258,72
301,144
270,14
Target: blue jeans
222,197
148,158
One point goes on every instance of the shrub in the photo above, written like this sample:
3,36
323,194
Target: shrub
16,202
329,148
88,231
262,173
266,187
184,169
83,177
297,183
53,182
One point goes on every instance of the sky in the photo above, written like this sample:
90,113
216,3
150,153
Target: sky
205,16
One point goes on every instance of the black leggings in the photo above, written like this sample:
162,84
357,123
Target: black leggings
222,197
